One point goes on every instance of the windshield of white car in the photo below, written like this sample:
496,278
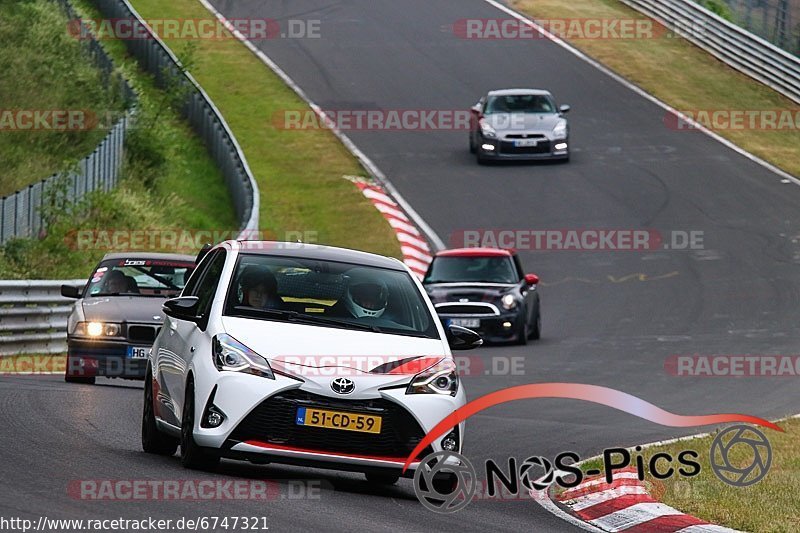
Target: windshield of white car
139,277
328,294
520,103
472,269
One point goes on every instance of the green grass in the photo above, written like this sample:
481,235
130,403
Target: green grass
299,172
680,74
43,68
170,183
771,505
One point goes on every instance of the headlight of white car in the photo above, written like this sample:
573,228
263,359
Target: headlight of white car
560,130
441,378
487,129
231,355
97,329
509,302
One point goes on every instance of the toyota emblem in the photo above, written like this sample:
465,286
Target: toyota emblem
343,386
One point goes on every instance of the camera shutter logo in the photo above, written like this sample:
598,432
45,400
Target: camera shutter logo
445,482
733,464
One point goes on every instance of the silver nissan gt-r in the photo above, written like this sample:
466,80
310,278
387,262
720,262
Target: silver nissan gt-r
519,124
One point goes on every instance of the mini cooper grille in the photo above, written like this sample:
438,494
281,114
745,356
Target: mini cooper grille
476,309
273,421
542,147
143,334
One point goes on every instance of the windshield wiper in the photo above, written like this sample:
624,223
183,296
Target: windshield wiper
293,316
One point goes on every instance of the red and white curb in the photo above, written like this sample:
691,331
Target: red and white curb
625,505
417,254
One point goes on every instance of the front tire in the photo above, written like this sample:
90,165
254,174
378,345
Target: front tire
193,456
536,329
153,440
69,378
473,146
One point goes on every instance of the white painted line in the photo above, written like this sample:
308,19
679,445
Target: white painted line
373,169
634,515
582,502
641,92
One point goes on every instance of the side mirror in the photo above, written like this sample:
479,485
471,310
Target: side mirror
68,291
564,108
183,308
462,338
531,279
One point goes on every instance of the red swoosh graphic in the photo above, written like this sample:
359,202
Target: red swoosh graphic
576,391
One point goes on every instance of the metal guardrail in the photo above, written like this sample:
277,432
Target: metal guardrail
33,316
206,120
731,44
21,213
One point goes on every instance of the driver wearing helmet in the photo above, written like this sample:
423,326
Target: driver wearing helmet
367,295
259,288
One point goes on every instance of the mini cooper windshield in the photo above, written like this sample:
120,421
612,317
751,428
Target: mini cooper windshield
328,293
472,269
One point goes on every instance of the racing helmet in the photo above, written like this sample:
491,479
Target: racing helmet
367,294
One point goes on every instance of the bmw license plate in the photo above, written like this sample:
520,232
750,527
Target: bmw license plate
337,420
138,352
466,322
520,143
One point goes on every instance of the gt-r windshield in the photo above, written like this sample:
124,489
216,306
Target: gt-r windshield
140,277
472,269
520,103
328,293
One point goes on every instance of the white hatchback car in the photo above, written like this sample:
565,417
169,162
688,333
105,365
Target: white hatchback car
302,354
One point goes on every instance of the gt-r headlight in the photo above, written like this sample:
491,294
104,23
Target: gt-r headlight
487,129
508,301
231,355
97,329
441,378
560,130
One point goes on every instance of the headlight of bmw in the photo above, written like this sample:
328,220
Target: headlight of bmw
441,378
508,301
487,130
560,130
97,329
231,355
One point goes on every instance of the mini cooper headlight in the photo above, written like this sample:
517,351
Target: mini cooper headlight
509,302
441,378
231,355
97,329
486,129
560,131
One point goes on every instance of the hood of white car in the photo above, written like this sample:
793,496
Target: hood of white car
505,123
319,354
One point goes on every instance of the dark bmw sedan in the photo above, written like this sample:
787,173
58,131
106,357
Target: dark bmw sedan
486,290
118,313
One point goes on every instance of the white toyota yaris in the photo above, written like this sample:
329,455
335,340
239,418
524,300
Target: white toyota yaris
302,354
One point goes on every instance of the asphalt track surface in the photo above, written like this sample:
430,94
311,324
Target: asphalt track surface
610,318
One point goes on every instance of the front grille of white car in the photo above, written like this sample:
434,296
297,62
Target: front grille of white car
273,421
